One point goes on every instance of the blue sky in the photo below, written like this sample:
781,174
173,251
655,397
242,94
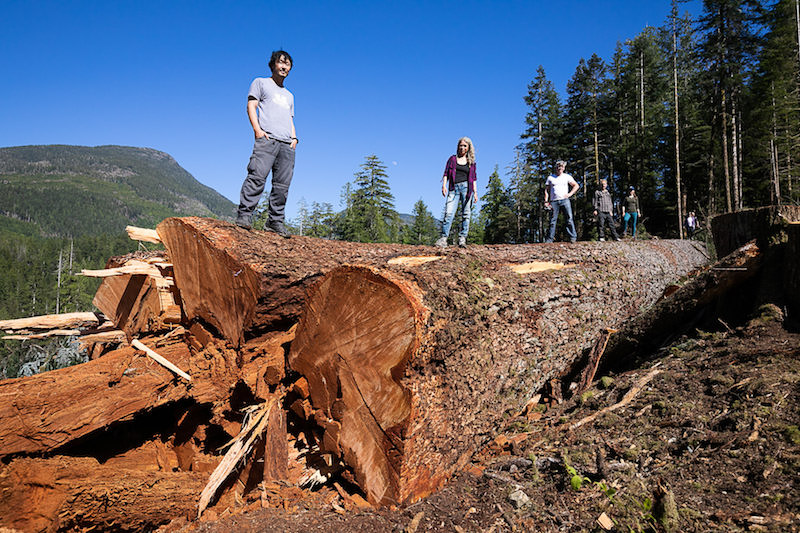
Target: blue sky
402,80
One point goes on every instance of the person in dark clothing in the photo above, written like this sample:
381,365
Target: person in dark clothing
603,206
630,210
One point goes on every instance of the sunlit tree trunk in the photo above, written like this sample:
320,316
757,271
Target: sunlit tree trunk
737,180
677,126
725,163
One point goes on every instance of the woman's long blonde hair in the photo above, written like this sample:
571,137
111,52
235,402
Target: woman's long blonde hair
470,150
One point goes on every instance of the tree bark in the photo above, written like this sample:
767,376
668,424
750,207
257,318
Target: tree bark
78,493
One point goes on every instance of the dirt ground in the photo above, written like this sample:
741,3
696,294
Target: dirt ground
703,436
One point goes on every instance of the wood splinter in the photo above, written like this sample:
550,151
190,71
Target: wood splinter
143,234
136,343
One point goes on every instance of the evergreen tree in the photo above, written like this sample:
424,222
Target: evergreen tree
499,216
541,147
774,110
423,229
729,42
370,215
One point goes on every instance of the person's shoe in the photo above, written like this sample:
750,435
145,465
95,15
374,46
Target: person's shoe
462,242
441,242
279,228
617,239
602,239
244,224
572,241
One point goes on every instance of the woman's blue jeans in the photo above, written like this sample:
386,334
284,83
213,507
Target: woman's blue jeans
626,218
459,191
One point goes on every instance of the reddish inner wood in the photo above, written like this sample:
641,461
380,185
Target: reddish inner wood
353,343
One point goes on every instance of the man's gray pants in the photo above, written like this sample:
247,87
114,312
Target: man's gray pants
268,154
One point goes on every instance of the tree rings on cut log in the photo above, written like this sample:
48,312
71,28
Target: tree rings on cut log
358,333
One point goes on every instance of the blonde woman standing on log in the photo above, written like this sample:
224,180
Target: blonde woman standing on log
459,182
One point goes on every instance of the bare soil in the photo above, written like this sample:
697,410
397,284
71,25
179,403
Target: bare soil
709,443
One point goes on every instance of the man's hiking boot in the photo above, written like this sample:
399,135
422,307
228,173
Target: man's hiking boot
462,242
244,224
279,228
441,243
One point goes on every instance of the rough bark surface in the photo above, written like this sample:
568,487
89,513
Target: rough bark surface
77,493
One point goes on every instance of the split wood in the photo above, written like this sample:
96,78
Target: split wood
131,267
625,399
143,234
255,424
136,343
63,320
594,361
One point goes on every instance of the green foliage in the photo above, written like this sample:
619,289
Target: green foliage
369,215
499,217
423,228
78,190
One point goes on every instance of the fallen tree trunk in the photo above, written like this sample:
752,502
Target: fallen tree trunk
670,315
78,493
410,370
43,412
422,351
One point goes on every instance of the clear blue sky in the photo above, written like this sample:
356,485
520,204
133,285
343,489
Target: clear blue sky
402,80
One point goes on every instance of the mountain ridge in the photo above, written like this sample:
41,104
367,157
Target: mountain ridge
111,186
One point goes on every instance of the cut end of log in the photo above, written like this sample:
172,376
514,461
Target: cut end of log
357,335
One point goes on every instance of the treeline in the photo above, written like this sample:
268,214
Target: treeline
698,115
39,278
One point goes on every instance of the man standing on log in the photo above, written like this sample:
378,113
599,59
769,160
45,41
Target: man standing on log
270,108
558,189
603,206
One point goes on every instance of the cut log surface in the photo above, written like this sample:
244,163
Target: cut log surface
411,364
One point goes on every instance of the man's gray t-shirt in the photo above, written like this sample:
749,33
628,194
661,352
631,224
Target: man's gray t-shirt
275,108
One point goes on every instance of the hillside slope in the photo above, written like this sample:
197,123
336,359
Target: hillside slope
79,190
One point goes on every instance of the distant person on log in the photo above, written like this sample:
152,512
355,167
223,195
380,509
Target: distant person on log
270,108
557,191
603,206
459,183
630,210
691,224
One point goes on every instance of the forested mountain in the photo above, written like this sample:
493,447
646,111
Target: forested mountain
65,208
80,190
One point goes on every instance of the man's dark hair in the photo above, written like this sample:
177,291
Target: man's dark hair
276,56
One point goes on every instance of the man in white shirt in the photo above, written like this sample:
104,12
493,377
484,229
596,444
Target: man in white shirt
557,192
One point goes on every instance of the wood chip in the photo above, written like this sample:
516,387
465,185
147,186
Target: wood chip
605,522
414,524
